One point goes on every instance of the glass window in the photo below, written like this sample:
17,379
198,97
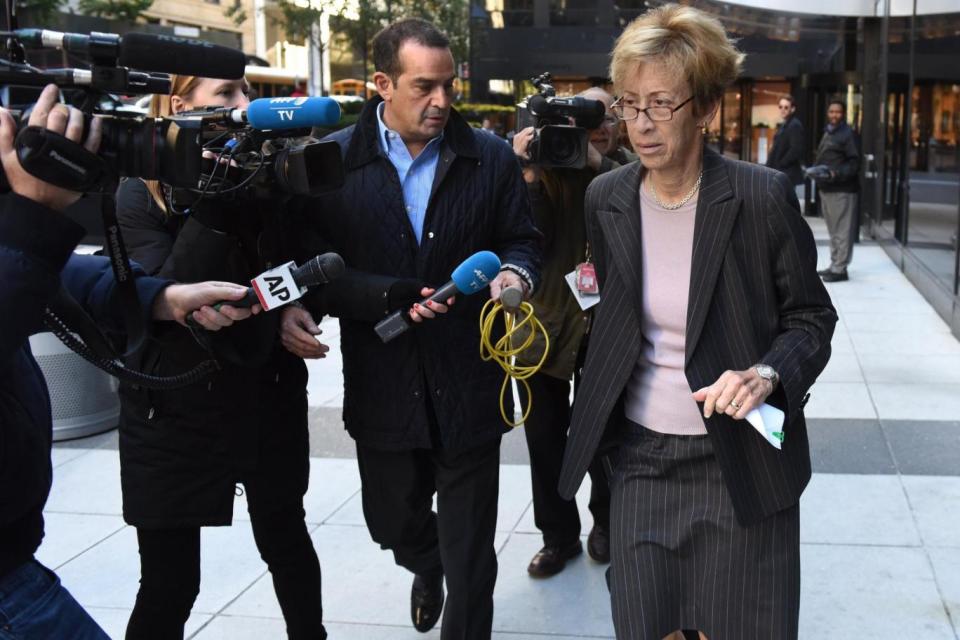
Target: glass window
626,10
580,13
934,179
732,134
499,14
764,117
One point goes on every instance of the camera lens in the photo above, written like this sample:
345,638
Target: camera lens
562,146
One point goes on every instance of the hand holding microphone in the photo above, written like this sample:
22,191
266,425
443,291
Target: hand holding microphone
284,284
472,275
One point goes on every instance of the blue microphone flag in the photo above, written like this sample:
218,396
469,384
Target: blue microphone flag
476,272
293,113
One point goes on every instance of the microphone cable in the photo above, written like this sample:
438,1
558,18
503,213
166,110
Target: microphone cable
515,317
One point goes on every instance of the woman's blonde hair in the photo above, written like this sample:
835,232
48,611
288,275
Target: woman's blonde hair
690,42
160,107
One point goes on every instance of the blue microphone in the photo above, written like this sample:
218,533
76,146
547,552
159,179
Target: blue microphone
288,113
472,275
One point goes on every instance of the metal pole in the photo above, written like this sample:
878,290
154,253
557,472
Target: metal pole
907,133
881,184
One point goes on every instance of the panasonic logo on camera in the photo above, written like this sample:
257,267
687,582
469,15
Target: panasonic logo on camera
69,163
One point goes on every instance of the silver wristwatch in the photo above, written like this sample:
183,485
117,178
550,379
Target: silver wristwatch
767,372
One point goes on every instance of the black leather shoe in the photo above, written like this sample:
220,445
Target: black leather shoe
835,276
426,602
551,560
598,544
824,272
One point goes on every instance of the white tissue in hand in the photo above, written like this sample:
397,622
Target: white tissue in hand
768,420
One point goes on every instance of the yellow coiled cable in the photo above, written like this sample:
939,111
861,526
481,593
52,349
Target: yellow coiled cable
504,352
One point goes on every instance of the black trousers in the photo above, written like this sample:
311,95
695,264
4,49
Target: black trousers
170,558
546,432
457,540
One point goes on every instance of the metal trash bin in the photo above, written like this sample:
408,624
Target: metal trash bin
83,399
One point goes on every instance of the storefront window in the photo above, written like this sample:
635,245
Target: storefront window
935,179
580,13
764,117
732,134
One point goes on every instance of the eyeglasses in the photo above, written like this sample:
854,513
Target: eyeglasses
629,113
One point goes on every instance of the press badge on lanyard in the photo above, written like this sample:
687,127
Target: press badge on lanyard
583,283
587,278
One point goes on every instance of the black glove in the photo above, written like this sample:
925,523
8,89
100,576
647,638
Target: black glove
403,293
819,173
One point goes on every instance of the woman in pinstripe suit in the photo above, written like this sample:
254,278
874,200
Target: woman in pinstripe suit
710,306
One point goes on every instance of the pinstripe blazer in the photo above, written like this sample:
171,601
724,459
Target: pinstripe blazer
754,297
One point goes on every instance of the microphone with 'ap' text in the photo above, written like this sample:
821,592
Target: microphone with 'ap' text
286,283
473,274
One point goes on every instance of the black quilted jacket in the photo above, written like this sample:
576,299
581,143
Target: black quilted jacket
479,201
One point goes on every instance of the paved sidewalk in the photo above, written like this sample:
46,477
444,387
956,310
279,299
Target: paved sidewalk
880,520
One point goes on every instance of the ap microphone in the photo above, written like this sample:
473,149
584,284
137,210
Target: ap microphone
473,274
286,283
286,113
163,53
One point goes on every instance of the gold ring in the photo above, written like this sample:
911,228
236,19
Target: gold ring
733,403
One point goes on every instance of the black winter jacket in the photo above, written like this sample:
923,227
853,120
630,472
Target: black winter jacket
35,245
838,151
478,201
787,152
183,451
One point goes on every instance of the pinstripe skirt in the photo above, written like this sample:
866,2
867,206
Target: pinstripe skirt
680,559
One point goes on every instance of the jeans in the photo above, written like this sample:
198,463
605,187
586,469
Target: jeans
35,606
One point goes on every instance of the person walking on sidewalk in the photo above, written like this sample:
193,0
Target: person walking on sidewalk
423,191
708,295
835,170
556,195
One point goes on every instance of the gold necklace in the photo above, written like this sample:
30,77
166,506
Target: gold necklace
685,200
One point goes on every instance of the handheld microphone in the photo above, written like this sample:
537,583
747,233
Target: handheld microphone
473,274
285,113
286,283
163,53
511,298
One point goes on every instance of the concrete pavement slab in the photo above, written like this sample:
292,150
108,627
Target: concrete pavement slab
882,593
845,509
935,502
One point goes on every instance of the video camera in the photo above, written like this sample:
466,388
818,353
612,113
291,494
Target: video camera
561,125
171,149
193,152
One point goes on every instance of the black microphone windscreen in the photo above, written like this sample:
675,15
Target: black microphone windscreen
185,56
319,270
537,104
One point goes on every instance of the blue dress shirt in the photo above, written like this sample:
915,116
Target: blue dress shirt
416,174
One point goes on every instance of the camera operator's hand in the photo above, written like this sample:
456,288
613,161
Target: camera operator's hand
521,146
298,333
58,118
178,300
594,157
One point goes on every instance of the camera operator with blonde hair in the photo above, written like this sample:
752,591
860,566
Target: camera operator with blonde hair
184,453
